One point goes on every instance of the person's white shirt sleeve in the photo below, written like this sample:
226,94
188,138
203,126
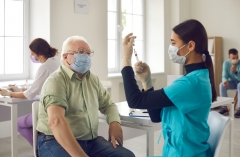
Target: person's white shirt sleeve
41,75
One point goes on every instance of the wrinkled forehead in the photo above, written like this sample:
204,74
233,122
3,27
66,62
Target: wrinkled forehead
78,44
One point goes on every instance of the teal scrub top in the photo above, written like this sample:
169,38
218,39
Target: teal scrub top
185,127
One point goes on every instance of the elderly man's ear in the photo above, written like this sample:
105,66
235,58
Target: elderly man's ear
64,56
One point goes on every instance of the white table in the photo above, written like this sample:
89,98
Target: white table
142,123
146,124
13,104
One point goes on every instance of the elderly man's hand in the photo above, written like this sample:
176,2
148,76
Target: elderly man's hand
115,134
4,92
127,47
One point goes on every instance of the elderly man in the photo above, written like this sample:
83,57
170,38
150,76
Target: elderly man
69,104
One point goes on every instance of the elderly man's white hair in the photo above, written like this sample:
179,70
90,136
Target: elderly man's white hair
65,46
68,41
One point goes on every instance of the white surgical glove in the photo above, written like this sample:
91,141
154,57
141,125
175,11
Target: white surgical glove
14,88
5,92
143,72
127,48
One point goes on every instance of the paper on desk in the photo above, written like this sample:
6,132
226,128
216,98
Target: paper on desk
139,114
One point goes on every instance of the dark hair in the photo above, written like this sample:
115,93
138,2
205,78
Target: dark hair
193,30
41,47
232,51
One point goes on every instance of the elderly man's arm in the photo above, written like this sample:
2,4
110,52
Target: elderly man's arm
110,110
62,131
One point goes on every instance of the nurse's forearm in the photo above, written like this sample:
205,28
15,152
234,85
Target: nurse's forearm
155,115
17,95
142,100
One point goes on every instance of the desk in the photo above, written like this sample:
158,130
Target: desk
145,123
142,123
12,103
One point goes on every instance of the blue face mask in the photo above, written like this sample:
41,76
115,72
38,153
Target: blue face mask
82,63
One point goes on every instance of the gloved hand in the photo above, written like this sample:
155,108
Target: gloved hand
127,48
5,92
143,72
14,88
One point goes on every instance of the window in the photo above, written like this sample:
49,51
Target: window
124,16
13,39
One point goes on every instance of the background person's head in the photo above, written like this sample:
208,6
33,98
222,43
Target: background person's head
76,49
233,55
41,50
193,35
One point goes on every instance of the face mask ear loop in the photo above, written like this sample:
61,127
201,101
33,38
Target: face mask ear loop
182,47
187,54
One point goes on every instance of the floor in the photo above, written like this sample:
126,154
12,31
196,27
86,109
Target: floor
137,145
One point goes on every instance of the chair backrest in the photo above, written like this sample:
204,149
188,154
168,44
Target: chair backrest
171,78
218,126
35,108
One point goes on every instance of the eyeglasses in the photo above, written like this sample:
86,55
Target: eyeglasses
81,51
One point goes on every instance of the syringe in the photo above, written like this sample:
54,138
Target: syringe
136,55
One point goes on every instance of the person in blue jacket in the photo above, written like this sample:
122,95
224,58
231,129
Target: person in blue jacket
230,79
182,107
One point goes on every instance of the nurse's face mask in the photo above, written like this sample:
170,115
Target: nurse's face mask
172,51
82,60
33,59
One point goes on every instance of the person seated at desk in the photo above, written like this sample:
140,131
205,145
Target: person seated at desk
230,79
41,52
182,107
68,113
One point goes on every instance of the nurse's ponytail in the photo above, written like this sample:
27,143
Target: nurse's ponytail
209,65
52,52
41,47
193,30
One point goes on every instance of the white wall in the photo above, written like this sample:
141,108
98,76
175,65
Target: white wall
220,18
154,34
93,26
39,26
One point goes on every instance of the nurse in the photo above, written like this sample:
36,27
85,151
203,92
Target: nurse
183,106
41,52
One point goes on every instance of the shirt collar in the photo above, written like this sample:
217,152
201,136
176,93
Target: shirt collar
196,66
71,73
